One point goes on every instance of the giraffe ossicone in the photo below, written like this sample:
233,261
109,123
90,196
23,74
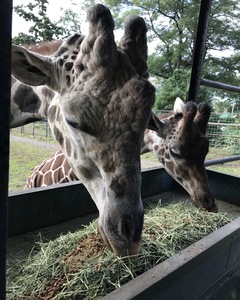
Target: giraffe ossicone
98,115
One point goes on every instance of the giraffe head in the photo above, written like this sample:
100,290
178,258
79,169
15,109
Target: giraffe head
182,148
98,116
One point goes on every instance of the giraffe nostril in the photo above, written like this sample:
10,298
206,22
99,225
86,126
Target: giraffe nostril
212,207
126,228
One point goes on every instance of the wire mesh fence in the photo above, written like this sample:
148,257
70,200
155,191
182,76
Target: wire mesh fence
36,129
223,131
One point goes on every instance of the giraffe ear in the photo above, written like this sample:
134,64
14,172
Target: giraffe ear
31,68
179,106
154,123
202,117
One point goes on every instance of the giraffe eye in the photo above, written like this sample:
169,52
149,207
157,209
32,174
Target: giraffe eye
175,152
72,123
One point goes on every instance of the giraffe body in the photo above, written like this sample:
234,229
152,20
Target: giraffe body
98,114
52,170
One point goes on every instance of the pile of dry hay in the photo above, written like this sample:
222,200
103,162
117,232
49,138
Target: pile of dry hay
78,266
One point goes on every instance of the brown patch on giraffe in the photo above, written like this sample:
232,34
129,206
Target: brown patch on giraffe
52,113
68,80
85,172
118,186
47,92
75,154
26,99
167,156
63,91
109,166
59,174
180,179
47,178
68,66
58,135
68,147
56,164
60,62
74,39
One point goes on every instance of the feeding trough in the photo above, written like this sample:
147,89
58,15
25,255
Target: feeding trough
206,269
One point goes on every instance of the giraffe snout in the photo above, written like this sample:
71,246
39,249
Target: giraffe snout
122,235
207,202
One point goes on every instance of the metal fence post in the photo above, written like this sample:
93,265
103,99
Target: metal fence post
5,88
199,50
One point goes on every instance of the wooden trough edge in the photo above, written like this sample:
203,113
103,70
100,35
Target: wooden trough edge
42,207
207,268
194,273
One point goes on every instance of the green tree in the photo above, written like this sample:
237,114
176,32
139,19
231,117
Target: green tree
43,29
172,27
70,21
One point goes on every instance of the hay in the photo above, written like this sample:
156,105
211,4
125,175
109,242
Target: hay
78,266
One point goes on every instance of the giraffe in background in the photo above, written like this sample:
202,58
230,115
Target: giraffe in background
52,170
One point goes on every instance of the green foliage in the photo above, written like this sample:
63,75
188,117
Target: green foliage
43,29
70,21
172,27
225,136
171,88
232,139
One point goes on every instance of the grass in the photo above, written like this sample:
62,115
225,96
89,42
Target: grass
232,168
78,266
23,158
150,156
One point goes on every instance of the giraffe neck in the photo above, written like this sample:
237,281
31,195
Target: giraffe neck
149,140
